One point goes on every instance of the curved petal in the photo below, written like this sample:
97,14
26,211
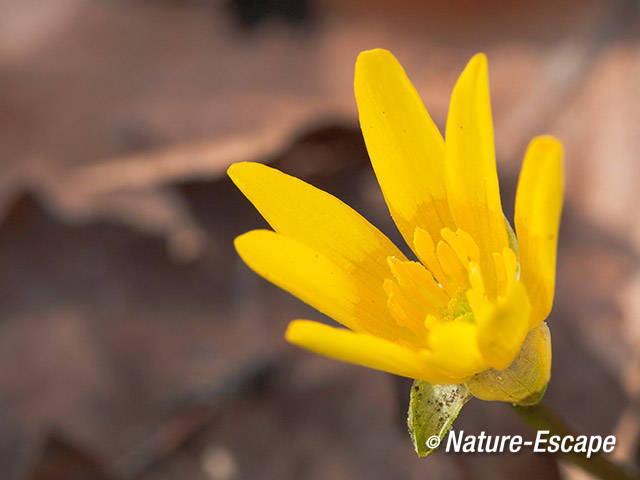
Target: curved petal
319,281
405,146
317,219
363,349
454,348
471,178
503,326
537,219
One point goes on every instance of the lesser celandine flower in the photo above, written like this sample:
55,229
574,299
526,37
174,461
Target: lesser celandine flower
471,310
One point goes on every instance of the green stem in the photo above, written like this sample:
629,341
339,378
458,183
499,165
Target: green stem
540,417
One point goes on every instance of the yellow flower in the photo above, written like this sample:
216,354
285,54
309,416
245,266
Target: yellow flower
463,311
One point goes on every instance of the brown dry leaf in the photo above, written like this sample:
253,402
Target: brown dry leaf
80,85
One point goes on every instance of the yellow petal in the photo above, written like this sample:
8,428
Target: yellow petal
418,282
426,251
537,219
454,348
362,349
451,264
526,378
319,281
317,219
471,178
403,310
405,146
502,329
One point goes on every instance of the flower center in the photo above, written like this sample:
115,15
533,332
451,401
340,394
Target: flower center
447,284
458,309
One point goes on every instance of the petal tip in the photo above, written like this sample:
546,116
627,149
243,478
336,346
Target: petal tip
307,333
477,67
231,169
370,61
372,55
240,241
236,170
244,241
479,58
549,152
291,333
548,142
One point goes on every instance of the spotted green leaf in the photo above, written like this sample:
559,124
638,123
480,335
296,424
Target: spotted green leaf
432,410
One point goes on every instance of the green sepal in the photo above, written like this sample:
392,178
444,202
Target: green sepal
533,399
525,381
432,410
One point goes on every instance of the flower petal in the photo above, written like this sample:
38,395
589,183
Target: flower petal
454,348
405,146
363,349
537,219
319,281
503,327
317,219
471,178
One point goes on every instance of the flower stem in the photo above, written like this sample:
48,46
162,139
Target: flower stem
541,417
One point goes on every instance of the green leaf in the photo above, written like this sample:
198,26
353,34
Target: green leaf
432,410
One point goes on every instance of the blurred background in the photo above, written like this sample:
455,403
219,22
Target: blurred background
135,345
